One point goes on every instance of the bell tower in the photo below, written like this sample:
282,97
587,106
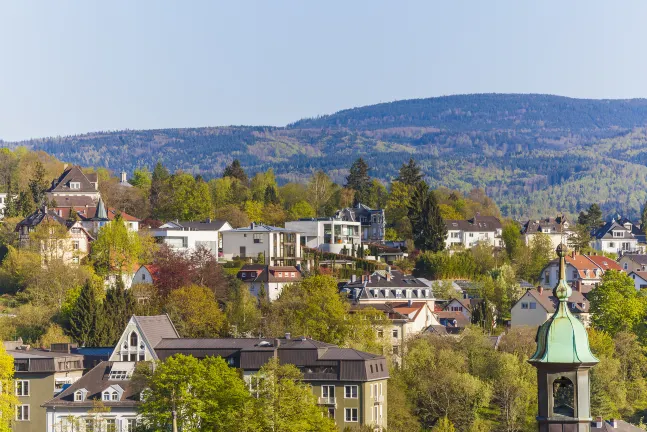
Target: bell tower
563,360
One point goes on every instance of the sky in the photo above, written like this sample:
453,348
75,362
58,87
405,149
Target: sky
71,67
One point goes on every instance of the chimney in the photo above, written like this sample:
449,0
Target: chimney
288,336
578,285
388,274
598,422
540,289
410,302
277,343
123,177
208,220
465,295
614,423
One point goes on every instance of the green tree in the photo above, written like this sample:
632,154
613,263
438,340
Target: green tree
285,403
301,209
615,304
320,191
580,240
86,318
195,312
511,236
254,211
7,399
190,198
141,179
38,184
592,218
242,312
428,227
236,171
643,218
359,180
160,192
206,395
443,425
118,306
313,307
410,174
397,208
271,197
116,248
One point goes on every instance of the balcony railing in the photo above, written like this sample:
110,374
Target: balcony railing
328,400
379,399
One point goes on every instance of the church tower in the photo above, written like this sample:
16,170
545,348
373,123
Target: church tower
563,360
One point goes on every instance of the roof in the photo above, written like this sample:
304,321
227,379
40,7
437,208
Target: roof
621,426
637,258
467,303
263,273
72,201
152,269
74,174
87,213
642,274
156,328
577,301
555,225
605,231
95,382
477,224
260,228
206,225
378,279
604,263
354,214
447,318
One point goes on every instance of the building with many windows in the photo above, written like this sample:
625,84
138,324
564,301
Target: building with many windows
373,221
189,236
259,277
328,234
39,376
469,233
277,246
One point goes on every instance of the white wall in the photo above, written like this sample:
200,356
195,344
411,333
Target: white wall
639,282
57,418
191,239
614,245
528,317
232,241
315,234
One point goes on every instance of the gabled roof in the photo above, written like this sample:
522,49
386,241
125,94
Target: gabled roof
640,274
95,382
637,258
621,426
72,201
156,328
577,302
604,263
477,224
353,214
606,231
74,174
453,319
555,225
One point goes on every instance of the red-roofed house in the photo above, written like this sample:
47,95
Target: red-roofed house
587,270
272,278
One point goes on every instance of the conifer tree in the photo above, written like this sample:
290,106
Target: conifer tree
118,307
643,218
359,180
428,226
271,196
38,184
160,191
410,173
85,325
236,171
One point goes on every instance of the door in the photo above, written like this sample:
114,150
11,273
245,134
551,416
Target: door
242,252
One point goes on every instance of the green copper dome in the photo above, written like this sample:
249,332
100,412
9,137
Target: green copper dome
563,338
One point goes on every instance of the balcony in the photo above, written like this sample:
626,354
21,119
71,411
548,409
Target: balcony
328,401
379,399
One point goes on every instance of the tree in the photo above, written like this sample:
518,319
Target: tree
359,180
206,395
236,171
242,312
271,197
443,425
301,209
232,214
580,240
195,312
285,403
254,211
429,229
190,198
38,184
8,399
643,218
511,236
116,248
312,307
160,192
118,306
410,173
141,179
592,218
50,239
85,318
320,190
514,393
615,304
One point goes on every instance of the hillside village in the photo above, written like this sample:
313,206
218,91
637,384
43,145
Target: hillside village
345,297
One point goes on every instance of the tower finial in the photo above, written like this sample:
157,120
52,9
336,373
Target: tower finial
562,290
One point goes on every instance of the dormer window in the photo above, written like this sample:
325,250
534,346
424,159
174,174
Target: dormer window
79,396
617,233
75,185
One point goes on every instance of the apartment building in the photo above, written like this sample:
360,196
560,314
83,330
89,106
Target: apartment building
278,246
328,234
469,233
189,236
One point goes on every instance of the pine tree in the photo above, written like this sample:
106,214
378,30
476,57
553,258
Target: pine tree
118,307
160,191
85,323
11,203
410,173
38,184
359,180
428,226
592,218
236,171
271,196
643,218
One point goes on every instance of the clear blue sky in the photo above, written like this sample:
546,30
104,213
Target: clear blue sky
71,67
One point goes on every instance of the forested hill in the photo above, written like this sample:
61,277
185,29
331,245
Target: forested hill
534,154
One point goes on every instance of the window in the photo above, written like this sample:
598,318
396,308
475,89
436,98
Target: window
395,333
533,305
22,412
547,277
574,274
142,356
625,266
106,396
118,374
75,260
396,349
455,235
279,274
456,309
76,230
617,233
328,392
350,392
612,244
130,424
75,245
258,238
471,234
380,333
78,396
371,368
524,305
89,425
75,185
111,425
350,415
114,396
22,388
133,339
244,274
331,413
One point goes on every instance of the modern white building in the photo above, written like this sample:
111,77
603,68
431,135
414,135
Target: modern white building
279,246
188,236
614,237
328,234
469,233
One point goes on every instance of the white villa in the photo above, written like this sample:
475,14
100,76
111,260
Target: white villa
279,246
188,236
328,234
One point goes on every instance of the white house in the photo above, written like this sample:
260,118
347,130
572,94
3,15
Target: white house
557,229
279,246
271,279
469,233
328,234
188,236
110,382
615,238
385,286
640,279
539,304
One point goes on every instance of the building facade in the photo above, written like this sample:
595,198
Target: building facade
557,229
468,233
271,279
188,236
277,246
384,286
373,221
328,234
615,238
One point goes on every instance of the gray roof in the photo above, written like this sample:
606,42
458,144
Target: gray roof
254,227
95,382
605,231
477,224
74,174
377,287
637,258
206,225
555,225
156,328
622,426
354,214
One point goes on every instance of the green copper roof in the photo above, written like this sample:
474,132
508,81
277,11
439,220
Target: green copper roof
562,338
101,212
